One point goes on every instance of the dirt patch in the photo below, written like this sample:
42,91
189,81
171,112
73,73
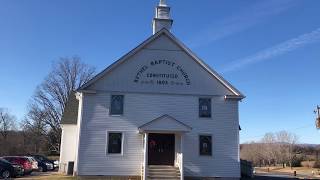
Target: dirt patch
301,172
46,176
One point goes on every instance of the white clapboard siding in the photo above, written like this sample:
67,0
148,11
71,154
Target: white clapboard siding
68,146
122,77
141,108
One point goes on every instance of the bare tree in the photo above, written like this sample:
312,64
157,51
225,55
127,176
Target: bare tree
269,148
7,125
286,142
35,130
7,122
252,152
273,148
50,98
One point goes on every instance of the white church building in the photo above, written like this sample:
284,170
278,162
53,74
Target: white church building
159,112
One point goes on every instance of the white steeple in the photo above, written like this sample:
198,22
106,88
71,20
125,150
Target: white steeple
162,18
162,3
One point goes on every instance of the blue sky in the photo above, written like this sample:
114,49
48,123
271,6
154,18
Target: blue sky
268,49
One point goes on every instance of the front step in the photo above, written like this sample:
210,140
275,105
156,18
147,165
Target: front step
161,172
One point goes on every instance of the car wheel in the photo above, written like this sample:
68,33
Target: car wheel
5,174
41,169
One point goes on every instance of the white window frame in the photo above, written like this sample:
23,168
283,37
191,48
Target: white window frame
107,143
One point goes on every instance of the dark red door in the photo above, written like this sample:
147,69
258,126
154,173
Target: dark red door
161,149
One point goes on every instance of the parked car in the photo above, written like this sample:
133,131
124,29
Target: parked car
42,166
21,160
18,170
8,170
44,163
56,164
33,162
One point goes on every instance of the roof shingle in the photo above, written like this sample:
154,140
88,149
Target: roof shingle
70,114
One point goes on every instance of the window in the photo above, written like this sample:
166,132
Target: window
205,145
205,107
115,143
116,105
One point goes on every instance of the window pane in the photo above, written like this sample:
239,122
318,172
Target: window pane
205,145
116,104
114,143
204,107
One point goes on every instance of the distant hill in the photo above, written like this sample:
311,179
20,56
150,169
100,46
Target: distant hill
305,145
309,145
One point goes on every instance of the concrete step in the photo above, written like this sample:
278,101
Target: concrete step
165,170
162,172
164,178
164,166
160,168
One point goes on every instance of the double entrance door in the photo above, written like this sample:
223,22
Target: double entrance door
161,149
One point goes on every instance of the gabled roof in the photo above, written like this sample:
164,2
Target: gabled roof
164,123
70,113
164,31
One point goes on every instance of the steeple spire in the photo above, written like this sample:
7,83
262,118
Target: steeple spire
162,17
162,3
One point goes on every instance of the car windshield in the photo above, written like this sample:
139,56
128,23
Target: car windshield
42,158
29,159
3,160
37,159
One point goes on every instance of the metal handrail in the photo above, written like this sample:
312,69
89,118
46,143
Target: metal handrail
180,164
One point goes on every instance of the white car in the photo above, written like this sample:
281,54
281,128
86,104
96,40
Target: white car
33,162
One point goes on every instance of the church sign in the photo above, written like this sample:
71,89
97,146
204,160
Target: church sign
162,72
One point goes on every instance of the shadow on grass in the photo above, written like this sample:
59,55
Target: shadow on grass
269,177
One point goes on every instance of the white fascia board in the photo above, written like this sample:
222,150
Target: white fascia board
181,45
